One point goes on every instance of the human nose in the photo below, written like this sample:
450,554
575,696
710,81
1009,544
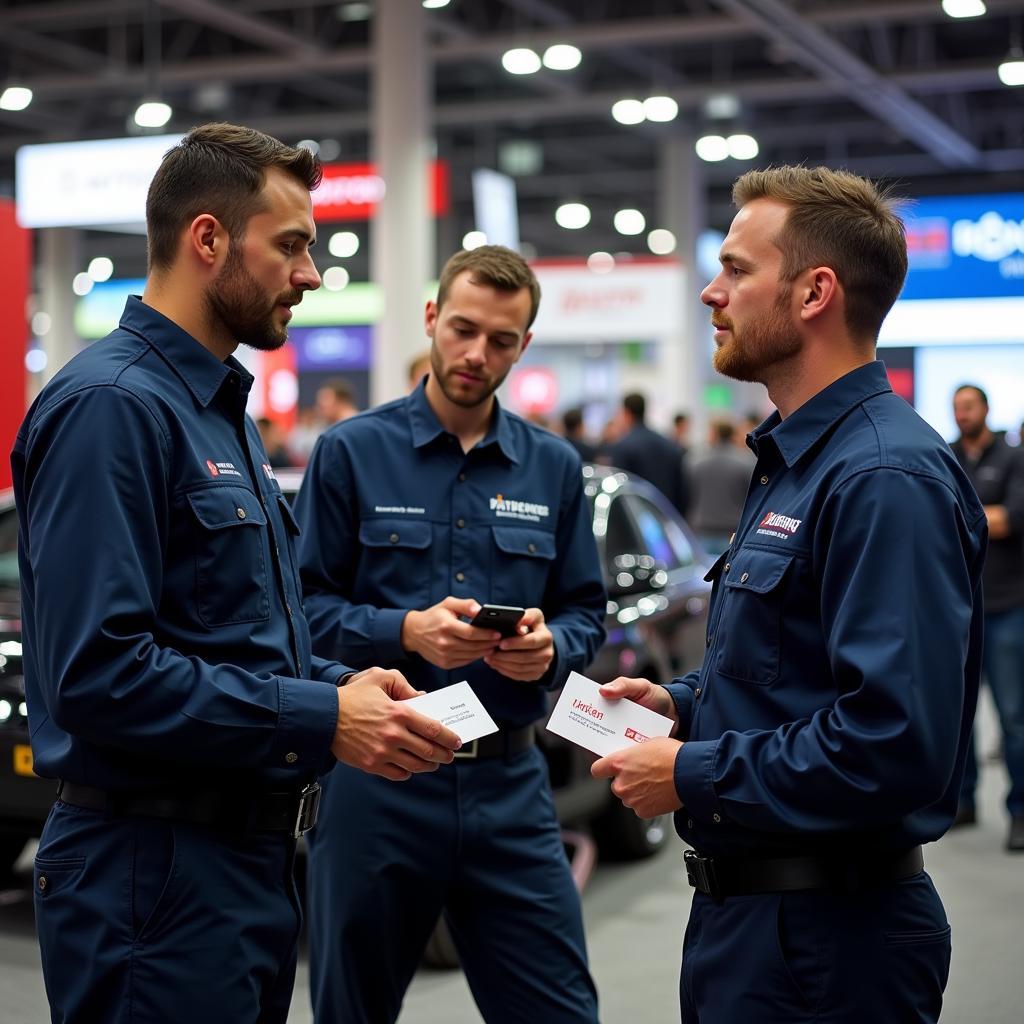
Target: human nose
476,352
713,294
305,276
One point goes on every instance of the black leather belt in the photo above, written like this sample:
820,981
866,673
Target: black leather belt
289,811
719,877
504,743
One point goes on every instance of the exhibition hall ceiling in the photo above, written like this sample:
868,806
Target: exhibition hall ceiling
895,89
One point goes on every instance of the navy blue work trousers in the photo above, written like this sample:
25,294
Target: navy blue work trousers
877,955
479,840
143,921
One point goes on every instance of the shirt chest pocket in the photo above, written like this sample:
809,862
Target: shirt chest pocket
394,563
523,560
231,566
749,630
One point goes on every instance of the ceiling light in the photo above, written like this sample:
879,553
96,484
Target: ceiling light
964,8
628,112
335,278
601,262
152,114
629,222
15,97
343,244
562,57
473,240
35,360
712,148
742,147
520,61
434,5
721,106
660,108
661,241
311,144
1011,71
41,323
572,216
100,268
356,11
82,284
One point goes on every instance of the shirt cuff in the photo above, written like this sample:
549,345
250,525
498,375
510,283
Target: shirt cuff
694,766
555,675
682,699
307,717
387,636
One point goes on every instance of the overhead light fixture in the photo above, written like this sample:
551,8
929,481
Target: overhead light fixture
152,114
712,148
1011,71
629,222
15,97
100,268
562,57
335,279
628,112
661,241
355,11
41,323
473,240
722,106
520,61
964,8
601,262
310,144
343,244
82,283
660,108
572,216
742,147
434,5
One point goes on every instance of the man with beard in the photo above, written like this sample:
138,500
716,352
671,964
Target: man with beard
997,472
413,515
169,676
824,737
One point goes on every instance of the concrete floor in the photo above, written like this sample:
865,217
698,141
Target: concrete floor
635,916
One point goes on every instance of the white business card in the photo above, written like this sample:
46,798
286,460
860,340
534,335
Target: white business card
458,708
603,726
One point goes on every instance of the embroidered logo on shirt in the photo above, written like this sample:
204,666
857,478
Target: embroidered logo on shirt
775,525
268,471
221,468
512,508
404,510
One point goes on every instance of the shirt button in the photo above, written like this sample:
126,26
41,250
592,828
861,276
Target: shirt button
460,577
764,479
43,883
716,818
745,577
711,636
460,523
689,822
240,512
291,757
462,478
728,566
532,548
393,538
696,692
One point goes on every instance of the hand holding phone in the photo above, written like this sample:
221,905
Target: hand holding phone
500,617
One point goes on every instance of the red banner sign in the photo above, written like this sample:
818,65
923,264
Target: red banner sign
352,191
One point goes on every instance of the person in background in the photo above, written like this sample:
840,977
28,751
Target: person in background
572,431
413,515
169,676
718,488
681,431
274,442
335,401
419,367
824,738
649,454
997,472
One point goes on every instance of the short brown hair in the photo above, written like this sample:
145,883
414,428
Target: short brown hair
842,221
492,265
218,169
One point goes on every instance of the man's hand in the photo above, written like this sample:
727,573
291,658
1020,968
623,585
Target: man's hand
525,657
998,522
644,692
443,639
643,776
377,733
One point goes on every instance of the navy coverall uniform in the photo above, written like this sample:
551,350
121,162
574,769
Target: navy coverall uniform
831,717
395,516
170,683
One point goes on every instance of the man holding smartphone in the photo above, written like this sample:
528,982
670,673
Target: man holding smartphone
413,515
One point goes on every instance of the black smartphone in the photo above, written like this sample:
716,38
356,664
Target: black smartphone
500,617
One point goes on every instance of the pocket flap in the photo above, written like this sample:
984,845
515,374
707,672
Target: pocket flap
290,522
226,505
515,540
716,570
757,571
397,533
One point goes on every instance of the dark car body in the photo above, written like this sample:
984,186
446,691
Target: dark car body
656,617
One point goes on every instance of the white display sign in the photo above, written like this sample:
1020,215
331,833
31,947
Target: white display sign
86,184
636,299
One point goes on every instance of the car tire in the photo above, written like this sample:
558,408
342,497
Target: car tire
441,953
622,836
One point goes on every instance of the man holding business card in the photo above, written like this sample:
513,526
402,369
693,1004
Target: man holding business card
824,738
413,515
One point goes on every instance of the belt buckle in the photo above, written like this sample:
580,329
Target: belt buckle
468,751
308,809
700,873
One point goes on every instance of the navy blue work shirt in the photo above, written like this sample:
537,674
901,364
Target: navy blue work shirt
395,517
839,685
164,640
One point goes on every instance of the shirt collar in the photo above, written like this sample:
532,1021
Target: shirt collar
426,427
795,435
202,372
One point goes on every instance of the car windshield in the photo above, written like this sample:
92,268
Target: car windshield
8,547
